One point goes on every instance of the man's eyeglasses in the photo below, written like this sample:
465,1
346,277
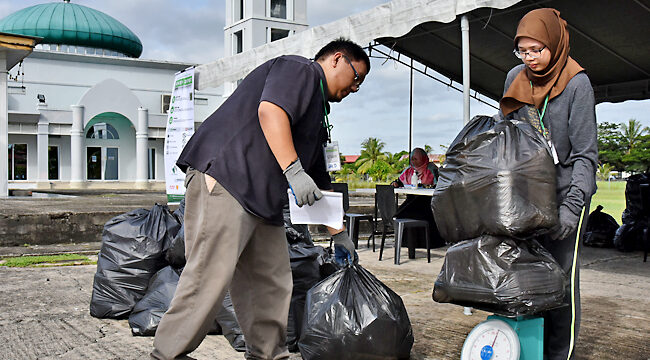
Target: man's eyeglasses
356,74
533,54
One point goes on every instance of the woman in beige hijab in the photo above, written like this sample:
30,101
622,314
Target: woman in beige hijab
552,92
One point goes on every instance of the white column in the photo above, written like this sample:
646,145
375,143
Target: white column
141,141
76,146
464,28
4,126
42,142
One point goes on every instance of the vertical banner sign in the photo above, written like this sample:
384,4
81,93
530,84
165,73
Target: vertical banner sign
180,127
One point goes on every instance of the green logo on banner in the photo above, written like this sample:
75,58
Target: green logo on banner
171,110
183,82
173,99
171,119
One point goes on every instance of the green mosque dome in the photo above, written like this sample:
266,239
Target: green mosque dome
71,24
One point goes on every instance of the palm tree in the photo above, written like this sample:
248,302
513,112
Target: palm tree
428,149
632,132
370,152
604,172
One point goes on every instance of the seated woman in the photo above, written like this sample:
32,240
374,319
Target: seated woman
426,172
419,206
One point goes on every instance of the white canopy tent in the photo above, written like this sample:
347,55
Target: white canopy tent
390,20
610,39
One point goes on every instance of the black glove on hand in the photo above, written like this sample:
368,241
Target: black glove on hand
302,185
568,223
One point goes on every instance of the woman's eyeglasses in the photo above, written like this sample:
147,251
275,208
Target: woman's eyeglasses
533,54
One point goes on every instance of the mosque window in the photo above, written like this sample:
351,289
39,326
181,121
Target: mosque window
238,42
277,34
103,131
53,162
17,164
279,9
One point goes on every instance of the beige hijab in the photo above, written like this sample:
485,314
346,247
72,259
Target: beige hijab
547,27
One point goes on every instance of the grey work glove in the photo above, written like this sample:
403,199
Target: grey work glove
302,185
568,223
344,252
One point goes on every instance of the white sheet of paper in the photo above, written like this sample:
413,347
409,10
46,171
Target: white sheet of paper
326,211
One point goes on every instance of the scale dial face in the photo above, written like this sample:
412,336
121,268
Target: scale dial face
491,340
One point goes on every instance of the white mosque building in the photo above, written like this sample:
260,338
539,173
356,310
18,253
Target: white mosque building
85,112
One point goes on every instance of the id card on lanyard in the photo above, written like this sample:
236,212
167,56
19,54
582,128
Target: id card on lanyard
556,160
330,148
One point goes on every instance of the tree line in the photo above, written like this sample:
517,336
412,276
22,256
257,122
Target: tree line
375,164
623,147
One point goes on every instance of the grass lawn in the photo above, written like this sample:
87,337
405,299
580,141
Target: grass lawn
47,260
611,195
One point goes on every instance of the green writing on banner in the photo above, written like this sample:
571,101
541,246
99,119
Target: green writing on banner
183,82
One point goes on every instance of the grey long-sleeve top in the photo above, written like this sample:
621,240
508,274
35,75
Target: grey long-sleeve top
571,118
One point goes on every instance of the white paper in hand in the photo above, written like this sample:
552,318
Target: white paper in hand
326,211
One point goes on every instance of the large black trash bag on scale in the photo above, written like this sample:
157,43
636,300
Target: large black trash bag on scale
601,229
306,261
498,181
501,275
352,315
132,251
146,314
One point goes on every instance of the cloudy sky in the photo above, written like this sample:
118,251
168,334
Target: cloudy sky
380,109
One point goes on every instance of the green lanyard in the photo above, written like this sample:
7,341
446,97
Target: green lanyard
541,115
326,120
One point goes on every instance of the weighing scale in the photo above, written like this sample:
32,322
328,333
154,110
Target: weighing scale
505,338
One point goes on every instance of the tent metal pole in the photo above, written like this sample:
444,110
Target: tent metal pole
464,28
411,110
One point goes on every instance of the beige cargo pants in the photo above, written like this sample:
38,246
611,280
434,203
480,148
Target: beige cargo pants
227,248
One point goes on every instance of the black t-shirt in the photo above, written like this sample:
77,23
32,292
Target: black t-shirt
230,145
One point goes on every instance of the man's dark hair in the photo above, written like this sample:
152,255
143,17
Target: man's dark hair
347,47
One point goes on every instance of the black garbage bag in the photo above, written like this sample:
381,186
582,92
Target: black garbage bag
633,205
295,232
175,254
478,124
305,263
227,320
352,315
501,275
149,310
328,264
601,228
629,236
500,181
133,246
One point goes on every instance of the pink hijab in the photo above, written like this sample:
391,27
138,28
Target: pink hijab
424,174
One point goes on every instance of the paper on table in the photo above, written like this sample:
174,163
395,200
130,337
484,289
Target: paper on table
326,211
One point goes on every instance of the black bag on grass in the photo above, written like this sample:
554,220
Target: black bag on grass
629,236
601,229
146,314
352,315
501,275
133,246
498,181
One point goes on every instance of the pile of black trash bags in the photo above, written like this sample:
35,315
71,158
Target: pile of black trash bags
495,195
334,313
